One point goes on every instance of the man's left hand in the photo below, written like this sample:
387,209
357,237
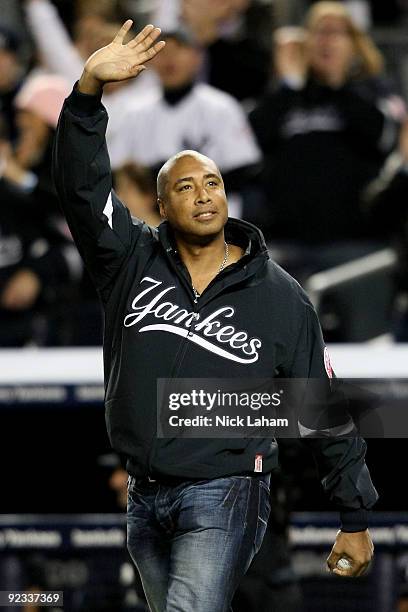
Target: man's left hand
356,547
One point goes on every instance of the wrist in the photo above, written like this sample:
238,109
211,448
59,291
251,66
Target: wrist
354,520
89,85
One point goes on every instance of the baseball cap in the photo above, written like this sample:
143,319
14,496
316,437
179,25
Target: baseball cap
44,95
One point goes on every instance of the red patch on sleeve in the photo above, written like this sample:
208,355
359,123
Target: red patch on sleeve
327,364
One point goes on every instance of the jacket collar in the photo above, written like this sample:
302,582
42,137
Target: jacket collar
236,232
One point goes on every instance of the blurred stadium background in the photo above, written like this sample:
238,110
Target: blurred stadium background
305,113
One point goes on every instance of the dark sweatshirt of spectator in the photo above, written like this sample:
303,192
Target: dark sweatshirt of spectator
325,131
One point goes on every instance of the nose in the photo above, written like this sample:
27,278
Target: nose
203,196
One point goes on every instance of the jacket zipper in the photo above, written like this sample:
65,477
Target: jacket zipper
178,359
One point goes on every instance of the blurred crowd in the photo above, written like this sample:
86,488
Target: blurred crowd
292,99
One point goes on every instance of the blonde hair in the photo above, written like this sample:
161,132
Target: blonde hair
370,62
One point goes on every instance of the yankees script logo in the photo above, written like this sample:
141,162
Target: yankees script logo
182,321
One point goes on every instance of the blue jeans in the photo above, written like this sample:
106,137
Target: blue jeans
192,543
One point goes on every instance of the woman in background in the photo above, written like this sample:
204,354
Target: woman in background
324,130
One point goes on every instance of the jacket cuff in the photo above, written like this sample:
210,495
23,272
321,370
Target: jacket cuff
354,520
83,105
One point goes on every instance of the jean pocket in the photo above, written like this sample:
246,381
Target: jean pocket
137,487
264,510
265,484
232,494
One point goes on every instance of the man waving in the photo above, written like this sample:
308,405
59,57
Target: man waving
196,297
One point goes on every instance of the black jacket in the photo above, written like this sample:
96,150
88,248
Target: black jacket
149,313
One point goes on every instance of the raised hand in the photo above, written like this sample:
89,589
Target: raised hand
118,61
290,53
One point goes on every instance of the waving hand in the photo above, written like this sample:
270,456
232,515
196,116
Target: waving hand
118,61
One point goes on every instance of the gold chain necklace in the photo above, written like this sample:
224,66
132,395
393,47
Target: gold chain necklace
222,266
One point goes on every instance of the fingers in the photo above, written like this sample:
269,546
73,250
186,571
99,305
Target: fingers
123,31
149,32
143,44
332,560
136,70
344,573
152,52
354,572
358,568
356,548
364,568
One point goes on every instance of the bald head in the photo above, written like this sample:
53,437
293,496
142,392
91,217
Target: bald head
163,176
192,197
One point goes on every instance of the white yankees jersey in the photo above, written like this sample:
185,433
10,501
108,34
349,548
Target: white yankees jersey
206,120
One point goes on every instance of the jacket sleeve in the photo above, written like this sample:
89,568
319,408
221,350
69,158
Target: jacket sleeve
100,224
340,459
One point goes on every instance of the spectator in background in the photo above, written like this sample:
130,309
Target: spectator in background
33,265
61,55
158,125
232,33
37,106
107,10
136,186
28,167
58,53
11,77
38,256
386,199
324,131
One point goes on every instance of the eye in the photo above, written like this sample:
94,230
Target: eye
213,183
184,187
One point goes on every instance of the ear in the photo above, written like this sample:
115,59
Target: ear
161,208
